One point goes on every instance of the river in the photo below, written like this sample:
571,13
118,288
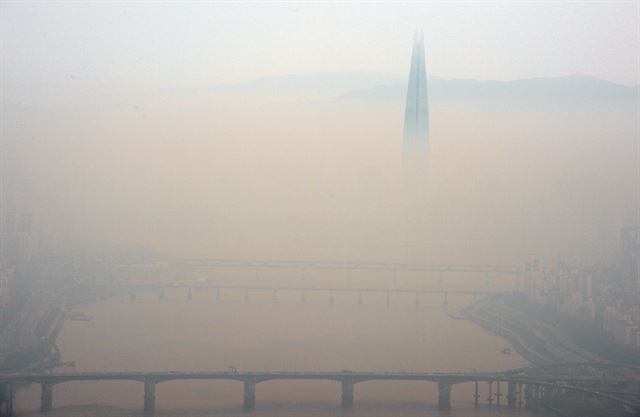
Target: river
259,335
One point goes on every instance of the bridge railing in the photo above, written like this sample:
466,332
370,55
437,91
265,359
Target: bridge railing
522,390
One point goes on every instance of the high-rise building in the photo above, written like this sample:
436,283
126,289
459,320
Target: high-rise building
630,254
4,288
16,247
416,116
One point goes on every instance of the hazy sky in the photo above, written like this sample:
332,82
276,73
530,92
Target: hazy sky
63,47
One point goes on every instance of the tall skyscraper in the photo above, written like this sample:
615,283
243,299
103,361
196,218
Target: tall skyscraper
416,116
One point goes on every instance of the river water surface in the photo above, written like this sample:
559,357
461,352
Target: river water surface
259,335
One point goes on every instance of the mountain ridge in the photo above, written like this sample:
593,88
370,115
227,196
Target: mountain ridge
379,87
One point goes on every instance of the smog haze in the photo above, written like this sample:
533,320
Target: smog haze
251,154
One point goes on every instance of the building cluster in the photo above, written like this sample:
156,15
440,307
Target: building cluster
569,290
16,250
608,296
622,316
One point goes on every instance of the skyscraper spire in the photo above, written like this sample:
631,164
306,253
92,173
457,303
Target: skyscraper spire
416,116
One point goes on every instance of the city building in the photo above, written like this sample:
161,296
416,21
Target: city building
16,250
416,117
630,256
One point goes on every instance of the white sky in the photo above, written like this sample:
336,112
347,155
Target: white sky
101,46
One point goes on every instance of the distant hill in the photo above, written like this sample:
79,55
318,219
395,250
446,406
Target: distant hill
357,88
305,86
322,82
574,88
375,88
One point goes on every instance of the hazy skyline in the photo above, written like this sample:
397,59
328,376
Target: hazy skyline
110,47
202,171
215,208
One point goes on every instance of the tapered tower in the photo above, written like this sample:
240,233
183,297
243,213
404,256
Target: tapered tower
416,116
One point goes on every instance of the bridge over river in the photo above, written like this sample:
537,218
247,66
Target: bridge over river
185,267
276,290
525,387
519,273
346,265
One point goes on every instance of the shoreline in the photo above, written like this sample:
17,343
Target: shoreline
546,337
543,336
37,350
539,343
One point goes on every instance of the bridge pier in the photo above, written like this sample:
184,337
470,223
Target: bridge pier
527,396
332,298
302,297
10,404
388,299
190,295
547,394
536,396
132,296
9,400
417,298
161,294
347,393
498,394
511,394
490,396
149,397
445,301
444,396
519,394
217,294
359,297
545,398
539,395
46,397
275,296
249,396
246,294
476,395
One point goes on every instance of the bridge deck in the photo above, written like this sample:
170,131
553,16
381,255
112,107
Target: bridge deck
587,385
453,377
345,265
195,285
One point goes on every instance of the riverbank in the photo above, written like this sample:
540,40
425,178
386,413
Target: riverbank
28,339
544,336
